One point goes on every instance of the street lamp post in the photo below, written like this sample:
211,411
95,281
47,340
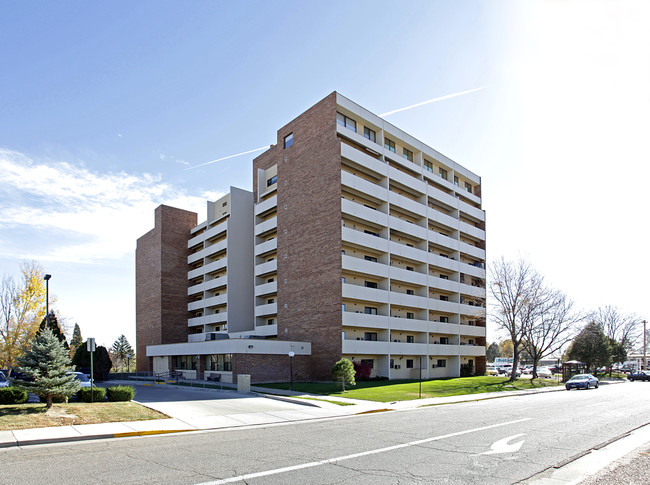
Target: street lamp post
645,363
291,354
47,295
128,366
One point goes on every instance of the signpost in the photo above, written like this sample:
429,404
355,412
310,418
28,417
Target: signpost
90,345
291,354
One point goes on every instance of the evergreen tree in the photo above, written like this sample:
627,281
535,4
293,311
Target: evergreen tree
121,348
101,360
591,347
47,362
76,340
343,371
492,352
50,321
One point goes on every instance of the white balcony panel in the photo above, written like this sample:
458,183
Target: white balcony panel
371,163
472,311
408,324
353,319
362,185
402,348
414,301
359,265
405,203
407,227
471,250
406,179
472,350
405,251
266,246
193,258
441,284
266,205
412,277
268,309
196,337
362,239
445,328
215,248
356,292
475,291
440,349
472,269
443,306
265,226
207,285
444,219
472,211
266,330
367,347
208,268
471,331
208,319
442,262
215,301
442,240
471,230
464,193
195,305
210,233
266,289
437,179
265,268
364,213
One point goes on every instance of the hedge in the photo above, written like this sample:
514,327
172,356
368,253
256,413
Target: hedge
120,393
85,393
13,395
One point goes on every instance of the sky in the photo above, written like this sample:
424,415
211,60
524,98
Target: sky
107,109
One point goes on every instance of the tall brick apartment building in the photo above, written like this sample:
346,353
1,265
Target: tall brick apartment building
357,241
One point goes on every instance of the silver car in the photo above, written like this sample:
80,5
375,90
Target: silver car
4,382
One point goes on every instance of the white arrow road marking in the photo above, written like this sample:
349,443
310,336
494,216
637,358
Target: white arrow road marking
502,446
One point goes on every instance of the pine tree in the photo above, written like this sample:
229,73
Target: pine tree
101,360
76,340
343,371
47,362
50,321
121,348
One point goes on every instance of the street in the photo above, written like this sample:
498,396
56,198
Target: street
496,441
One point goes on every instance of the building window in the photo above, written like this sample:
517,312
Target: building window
369,310
443,173
369,134
343,307
409,363
409,268
366,231
270,300
371,284
410,339
410,292
444,340
224,204
468,187
369,362
455,180
221,362
408,154
441,363
428,165
371,336
349,123
444,319
270,280
444,277
392,363
270,321
389,145
410,315
470,341
342,279
444,298
288,140
272,181
370,258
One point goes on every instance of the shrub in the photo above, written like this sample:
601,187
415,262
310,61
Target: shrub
13,395
98,394
362,370
120,393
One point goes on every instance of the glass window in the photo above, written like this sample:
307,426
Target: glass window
221,362
369,310
442,363
409,292
428,165
409,363
371,284
272,181
410,315
455,180
369,134
443,173
370,258
408,154
369,362
349,123
270,321
468,187
389,145
288,140
371,336
410,339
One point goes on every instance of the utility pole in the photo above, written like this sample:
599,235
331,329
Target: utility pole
645,367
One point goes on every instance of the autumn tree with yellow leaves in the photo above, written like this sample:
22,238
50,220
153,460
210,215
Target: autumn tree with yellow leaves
22,308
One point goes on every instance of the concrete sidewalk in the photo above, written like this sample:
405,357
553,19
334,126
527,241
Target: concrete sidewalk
209,409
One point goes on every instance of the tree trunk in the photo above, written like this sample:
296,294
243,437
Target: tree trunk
515,361
49,401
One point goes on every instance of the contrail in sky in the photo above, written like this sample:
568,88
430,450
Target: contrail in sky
432,101
226,158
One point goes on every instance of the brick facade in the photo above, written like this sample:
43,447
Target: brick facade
161,282
271,368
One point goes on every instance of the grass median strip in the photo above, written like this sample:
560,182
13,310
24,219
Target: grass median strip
387,391
25,416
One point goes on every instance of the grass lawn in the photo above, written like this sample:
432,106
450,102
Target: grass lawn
387,391
24,416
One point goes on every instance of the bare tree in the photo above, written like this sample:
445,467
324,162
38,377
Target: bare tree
515,287
550,327
623,328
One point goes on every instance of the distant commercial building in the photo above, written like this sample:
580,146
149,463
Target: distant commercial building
357,241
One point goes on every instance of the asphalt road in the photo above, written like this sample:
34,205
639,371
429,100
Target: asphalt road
497,441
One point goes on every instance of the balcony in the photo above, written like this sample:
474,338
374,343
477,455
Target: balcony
268,309
266,226
208,268
471,350
471,230
409,228
359,265
472,310
364,213
371,347
357,292
362,185
442,349
403,348
266,268
442,262
266,289
210,233
371,163
407,276
471,250
353,319
408,324
471,330
403,178
444,219
442,240
399,249
266,205
443,306
405,203
266,246
362,239
442,284
412,301
208,319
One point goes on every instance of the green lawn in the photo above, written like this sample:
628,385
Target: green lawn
387,391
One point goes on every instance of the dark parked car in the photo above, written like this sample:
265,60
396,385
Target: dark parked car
639,375
581,381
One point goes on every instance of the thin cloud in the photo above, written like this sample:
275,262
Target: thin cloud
92,217
226,158
441,98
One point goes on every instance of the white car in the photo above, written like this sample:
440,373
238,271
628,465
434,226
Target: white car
544,372
492,370
81,377
4,382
